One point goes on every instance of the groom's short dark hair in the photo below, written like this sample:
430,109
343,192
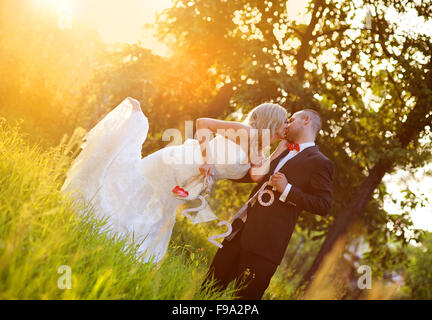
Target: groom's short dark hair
315,120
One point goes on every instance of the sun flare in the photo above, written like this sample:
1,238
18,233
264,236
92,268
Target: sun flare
116,21
56,4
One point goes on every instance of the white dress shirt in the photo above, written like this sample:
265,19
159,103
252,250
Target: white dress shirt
284,160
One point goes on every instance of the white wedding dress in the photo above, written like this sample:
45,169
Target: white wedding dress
135,193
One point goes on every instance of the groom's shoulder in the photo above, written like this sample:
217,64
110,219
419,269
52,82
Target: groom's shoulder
322,158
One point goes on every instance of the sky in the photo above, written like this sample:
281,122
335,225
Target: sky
121,21
420,184
117,21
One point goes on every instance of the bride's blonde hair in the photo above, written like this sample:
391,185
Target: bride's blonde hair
266,116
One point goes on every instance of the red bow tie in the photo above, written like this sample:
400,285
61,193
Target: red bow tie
293,146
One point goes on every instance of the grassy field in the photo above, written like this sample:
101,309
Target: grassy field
44,239
41,231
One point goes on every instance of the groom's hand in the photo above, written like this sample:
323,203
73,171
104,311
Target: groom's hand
279,181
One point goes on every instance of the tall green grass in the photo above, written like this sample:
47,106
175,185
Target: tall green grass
40,231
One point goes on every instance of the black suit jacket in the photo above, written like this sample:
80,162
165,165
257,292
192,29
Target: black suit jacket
268,230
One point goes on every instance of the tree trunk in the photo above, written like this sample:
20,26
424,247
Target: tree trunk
346,216
305,47
290,258
220,102
417,120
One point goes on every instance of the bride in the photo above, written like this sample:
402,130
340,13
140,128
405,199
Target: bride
139,196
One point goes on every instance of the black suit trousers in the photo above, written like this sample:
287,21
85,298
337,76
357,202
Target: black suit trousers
251,272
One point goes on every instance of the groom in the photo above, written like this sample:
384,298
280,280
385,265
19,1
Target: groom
301,177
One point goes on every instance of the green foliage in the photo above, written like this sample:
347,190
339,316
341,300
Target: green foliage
40,230
301,250
373,105
419,273
43,68
256,49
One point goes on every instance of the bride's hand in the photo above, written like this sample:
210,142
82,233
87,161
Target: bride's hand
258,160
259,167
282,146
206,169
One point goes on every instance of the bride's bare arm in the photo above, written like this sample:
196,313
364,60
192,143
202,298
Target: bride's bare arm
229,129
233,130
258,171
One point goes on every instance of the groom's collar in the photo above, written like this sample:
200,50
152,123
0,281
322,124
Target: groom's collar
302,147
298,157
305,145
